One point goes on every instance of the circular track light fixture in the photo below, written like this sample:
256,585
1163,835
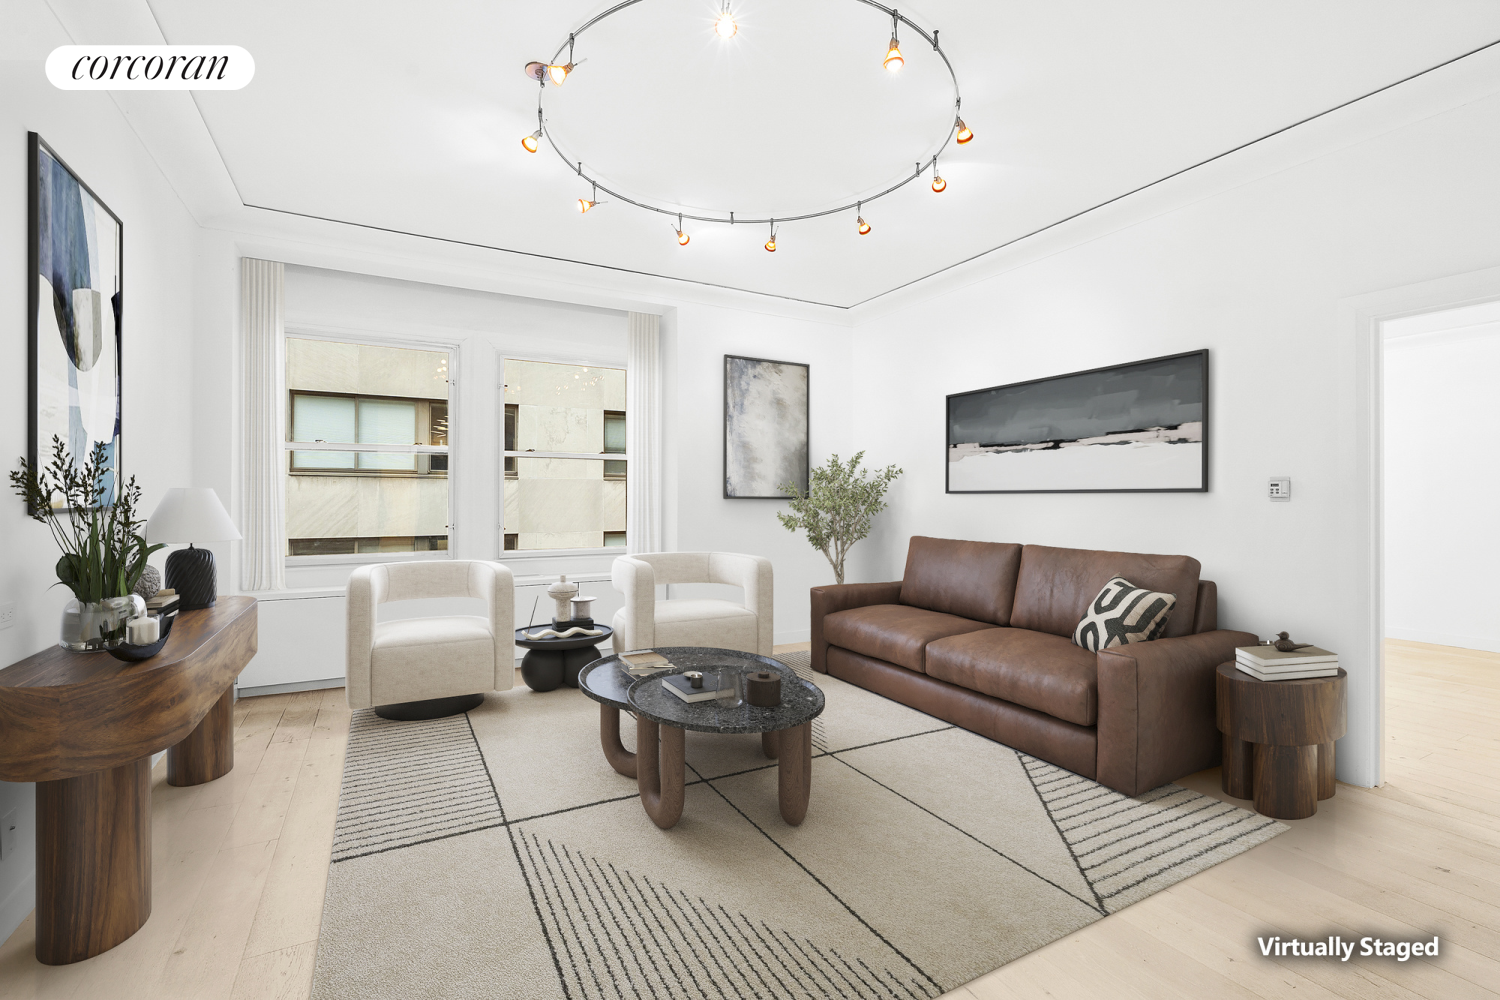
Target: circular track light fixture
556,70
724,24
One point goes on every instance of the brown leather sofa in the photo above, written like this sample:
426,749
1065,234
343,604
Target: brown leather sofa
979,634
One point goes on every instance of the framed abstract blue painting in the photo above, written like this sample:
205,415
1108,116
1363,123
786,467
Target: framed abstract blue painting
76,295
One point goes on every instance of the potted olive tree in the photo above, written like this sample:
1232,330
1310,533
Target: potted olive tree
103,552
841,501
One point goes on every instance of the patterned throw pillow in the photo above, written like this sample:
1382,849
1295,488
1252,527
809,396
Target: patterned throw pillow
1123,613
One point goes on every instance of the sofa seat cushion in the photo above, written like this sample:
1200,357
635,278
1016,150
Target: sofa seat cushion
704,622
1036,670
413,659
896,633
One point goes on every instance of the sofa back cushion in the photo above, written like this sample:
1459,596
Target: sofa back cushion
969,579
1054,586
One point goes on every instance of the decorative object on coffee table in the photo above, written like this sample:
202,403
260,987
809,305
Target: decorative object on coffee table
661,719
837,507
1279,739
149,583
562,593
192,514
1286,645
763,689
552,662
103,553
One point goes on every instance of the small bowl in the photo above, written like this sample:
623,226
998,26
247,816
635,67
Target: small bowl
135,654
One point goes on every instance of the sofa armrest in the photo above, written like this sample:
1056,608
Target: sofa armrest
1157,711
842,597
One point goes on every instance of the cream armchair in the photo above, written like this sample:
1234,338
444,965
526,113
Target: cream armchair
424,668
645,622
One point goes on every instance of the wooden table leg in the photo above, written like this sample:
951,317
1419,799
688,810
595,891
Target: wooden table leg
1286,781
1237,773
622,760
659,763
93,861
794,772
207,752
769,743
1326,783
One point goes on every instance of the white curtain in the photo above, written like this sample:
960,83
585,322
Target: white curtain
263,502
643,434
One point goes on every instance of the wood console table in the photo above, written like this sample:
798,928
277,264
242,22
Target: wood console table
83,726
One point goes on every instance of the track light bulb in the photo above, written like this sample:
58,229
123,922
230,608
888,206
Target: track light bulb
585,204
559,73
864,227
771,244
531,142
724,24
893,60
939,185
964,132
682,238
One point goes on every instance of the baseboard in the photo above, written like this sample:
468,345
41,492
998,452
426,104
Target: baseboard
265,689
1444,639
17,906
787,638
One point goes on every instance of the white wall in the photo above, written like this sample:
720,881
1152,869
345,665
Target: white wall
1442,538
90,134
1255,271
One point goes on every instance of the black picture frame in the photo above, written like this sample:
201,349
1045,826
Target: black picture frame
805,465
37,450
1203,485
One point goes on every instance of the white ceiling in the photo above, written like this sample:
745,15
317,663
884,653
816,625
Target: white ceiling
409,117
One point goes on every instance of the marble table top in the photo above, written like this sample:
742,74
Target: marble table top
801,701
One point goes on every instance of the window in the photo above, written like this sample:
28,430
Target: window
382,484
510,438
614,443
560,422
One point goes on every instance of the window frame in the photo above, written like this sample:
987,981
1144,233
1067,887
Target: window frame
503,355
456,480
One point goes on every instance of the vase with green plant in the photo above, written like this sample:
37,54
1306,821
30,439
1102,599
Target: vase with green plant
103,550
840,503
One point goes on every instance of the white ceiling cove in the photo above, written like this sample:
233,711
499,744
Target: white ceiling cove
408,117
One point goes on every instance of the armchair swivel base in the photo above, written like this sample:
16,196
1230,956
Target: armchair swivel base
430,708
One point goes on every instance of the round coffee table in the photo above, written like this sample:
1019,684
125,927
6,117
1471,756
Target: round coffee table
551,663
661,721
608,682
1278,739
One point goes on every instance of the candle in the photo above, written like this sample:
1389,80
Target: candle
144,631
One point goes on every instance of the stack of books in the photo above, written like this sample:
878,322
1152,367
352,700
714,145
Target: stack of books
1267,663
164,603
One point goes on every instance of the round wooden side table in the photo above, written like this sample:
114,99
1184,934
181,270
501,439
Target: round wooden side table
1278,739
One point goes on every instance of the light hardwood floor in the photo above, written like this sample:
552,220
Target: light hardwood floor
240,866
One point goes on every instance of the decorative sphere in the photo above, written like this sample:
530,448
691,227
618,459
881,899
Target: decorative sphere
149,583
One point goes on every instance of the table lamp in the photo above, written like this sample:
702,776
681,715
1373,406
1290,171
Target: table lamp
191,514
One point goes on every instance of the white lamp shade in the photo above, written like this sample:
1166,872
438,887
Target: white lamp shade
191,514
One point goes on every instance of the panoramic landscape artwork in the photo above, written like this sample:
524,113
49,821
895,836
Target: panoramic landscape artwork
1139,427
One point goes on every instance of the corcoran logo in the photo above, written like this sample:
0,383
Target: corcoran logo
150,67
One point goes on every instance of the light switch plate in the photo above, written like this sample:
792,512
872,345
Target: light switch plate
7,614
7,835
1280,489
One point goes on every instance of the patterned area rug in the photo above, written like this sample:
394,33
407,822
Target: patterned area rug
497,855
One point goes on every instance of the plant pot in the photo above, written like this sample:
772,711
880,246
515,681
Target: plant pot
98,624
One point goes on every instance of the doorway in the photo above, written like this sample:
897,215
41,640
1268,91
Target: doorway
1440,416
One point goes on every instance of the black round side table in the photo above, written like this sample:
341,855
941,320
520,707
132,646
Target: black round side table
551,663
